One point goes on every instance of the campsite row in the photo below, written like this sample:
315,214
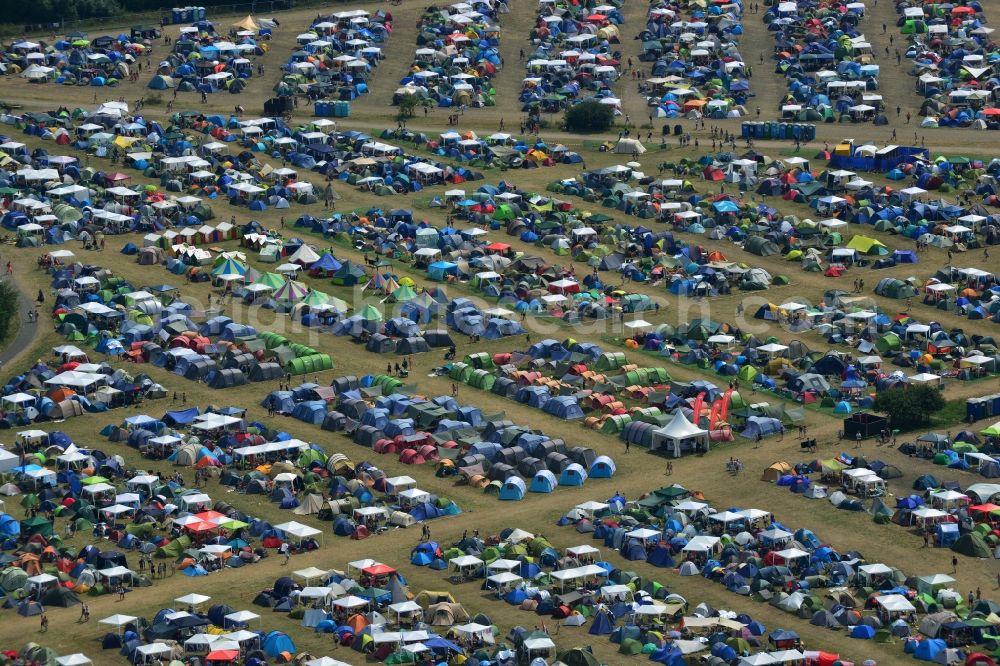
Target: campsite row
456,58
950,48
828,63
697,70
334,60
573,56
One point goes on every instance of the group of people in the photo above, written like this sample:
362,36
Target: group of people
397,369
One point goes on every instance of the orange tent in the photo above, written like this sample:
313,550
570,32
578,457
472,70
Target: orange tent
357,622
60,394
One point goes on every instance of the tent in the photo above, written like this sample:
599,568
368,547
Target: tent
513,489
626,146
679,434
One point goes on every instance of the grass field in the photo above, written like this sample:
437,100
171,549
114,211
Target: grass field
638,471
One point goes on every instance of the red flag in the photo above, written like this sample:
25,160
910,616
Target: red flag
698,403
726,397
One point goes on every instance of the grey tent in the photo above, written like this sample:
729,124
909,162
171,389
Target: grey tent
415,345
227,378
438,338
761,246
381,344
895,288
263,372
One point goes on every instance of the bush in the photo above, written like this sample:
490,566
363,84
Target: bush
588,117
909,407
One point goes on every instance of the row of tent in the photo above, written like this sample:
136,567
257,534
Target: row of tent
456,58
492,455
834,73
697,69
575,57
952,64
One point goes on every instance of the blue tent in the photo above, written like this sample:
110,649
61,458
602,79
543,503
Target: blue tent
9,526
863,631
661,557
760,425
603,467
277,642
929,648
634,550
533,396
603,624
565,407
544,482
513,489
669,655
311,411
326,263
573,475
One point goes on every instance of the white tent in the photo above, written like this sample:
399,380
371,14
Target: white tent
679,433
629,146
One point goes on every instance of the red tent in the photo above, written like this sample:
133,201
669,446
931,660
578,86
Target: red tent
378,570
222,656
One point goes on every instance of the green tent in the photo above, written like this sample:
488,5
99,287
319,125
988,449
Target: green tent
971,544
36,525
371,313
503,212
615,423
578,656
888,342
610,361
404,294
630,646
304,365
174,548
482,380
460,372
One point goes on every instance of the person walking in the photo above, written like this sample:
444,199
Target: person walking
954,564
45,622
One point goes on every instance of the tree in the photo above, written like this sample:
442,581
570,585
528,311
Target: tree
8,307
588,117
910,406
408,106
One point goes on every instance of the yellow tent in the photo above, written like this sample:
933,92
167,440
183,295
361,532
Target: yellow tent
247,24
125,141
